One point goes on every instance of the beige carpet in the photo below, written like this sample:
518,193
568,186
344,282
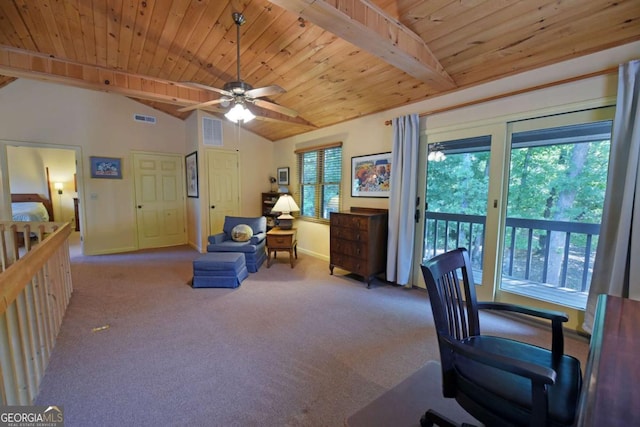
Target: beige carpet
404,404
290,347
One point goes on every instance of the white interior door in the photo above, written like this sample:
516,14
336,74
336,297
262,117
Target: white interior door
159,182
224,188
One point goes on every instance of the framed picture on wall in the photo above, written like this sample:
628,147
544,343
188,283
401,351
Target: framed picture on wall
106,167
191,168
283,176
371,175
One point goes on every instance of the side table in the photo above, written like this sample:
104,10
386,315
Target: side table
283,240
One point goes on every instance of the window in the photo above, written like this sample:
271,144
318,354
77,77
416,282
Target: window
320,174
525,197
457,189
557,181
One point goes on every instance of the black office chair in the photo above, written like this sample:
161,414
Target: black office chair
499,381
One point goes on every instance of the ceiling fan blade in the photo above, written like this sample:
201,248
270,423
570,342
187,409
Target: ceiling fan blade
259,92
275,107
203,104
209,88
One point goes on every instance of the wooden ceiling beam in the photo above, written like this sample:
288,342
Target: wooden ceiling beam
31,65
367,27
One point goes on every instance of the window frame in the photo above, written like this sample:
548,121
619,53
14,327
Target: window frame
499,126
320,184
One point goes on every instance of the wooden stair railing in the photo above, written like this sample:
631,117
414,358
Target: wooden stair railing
35,289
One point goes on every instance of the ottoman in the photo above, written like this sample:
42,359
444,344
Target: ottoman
219,270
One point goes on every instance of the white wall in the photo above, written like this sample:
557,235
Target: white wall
256,160
102,125
370,135
193,204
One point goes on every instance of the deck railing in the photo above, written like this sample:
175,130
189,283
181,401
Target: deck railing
35,288
528,248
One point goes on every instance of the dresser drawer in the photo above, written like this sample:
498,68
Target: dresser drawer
350,221
358,241
349,247
354,265
349,234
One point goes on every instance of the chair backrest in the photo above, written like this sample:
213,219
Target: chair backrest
449,280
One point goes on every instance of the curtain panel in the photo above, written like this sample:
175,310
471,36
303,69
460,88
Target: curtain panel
402,205
616,269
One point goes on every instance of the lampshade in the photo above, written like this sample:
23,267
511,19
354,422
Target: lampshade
286,205
58,186
239,113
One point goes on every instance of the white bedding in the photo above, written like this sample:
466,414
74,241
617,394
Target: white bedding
29,211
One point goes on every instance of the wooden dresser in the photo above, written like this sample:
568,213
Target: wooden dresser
358,241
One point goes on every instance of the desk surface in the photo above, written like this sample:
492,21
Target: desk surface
612,374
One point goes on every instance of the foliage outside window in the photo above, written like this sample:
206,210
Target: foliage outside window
557,178
320,173
457,189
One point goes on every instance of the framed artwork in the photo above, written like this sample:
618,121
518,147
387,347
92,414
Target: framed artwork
283,176
371,175
106,167
191,168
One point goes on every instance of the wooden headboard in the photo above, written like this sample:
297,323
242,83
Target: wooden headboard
33,197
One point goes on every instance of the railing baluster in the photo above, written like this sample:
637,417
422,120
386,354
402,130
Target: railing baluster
32,306
586,263
547,249
513,250
435,237
527,270
565,260
446,235
570,275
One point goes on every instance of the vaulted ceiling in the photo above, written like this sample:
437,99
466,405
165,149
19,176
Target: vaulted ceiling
336,59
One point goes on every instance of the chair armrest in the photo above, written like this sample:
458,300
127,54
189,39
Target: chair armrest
217,238
556,317
531,311
257,238
536,373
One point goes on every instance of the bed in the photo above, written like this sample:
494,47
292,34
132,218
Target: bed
31,207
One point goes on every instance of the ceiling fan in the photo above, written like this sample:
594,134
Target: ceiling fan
241,93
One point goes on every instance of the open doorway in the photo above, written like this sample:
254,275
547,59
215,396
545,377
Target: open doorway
47,171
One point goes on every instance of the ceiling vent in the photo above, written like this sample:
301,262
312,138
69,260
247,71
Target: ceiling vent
212,132
144,119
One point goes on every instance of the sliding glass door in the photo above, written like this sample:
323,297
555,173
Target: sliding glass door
525,198
459,194
557,178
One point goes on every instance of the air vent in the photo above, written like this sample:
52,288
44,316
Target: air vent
211,132
144,119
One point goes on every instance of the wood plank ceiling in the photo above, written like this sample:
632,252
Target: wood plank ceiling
336,59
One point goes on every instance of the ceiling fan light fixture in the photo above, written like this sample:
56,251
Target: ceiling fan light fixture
239,113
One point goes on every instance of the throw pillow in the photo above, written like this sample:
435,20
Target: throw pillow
241,233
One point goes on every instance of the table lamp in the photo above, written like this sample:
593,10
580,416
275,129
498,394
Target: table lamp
286,205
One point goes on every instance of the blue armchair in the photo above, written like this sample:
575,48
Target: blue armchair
254,249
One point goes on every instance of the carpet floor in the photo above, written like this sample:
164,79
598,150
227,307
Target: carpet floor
290,347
